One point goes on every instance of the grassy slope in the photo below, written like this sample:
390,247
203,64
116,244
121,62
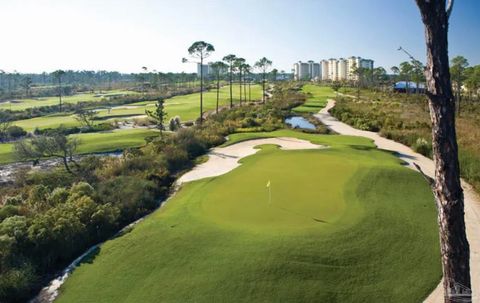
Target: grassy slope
187,107
316,100
218,239
22,104
95,142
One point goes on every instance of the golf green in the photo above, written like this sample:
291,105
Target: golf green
346,223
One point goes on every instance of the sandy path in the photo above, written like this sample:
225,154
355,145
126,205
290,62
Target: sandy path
221,160
472,200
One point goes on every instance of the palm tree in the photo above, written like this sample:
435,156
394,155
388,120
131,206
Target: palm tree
230,59
201,50
218,68
263,64
58,76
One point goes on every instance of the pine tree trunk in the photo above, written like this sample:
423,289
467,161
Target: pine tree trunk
446,186
218,91
231,92
201,90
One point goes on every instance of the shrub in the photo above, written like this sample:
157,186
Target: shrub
188,139
8,211
134,197
174,123
176,157
15,284
423,147
15,132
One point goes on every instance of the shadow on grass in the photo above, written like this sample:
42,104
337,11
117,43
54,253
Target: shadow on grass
90,257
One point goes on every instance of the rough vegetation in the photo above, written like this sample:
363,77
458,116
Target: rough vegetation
405,118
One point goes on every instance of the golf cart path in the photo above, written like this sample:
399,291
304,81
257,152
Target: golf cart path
472,200
221,160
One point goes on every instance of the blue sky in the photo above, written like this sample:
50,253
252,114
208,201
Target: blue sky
123,35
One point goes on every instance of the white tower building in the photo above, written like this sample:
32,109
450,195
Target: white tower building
324,69
342,69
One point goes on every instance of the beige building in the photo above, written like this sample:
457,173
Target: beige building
331,69
306,71
301,71
342,69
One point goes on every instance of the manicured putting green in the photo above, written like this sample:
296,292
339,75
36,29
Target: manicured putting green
316,98
345,224
288,207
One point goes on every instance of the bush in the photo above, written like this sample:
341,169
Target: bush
188,139
423,147
134,197
15,132
15,284
8,211
176,158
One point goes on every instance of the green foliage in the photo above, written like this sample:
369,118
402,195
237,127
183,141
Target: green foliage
174,124
15,132
422,146
158,115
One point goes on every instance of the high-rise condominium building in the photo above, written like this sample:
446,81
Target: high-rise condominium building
301,71
324,69
331,69
342,65
313,70
206,69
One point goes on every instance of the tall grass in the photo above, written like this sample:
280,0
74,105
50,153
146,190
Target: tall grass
406,119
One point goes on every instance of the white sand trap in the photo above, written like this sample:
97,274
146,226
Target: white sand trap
472,201
221,160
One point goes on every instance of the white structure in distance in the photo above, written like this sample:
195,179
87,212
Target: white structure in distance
331,69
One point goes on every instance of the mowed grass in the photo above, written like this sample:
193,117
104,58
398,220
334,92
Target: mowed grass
22,104
345,224
95,142
316,98
187,107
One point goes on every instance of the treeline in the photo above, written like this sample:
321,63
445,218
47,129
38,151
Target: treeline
49,218
17,85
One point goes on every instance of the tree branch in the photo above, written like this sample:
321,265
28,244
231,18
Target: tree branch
449,7
430,180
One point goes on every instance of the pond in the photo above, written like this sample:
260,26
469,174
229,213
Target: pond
299,122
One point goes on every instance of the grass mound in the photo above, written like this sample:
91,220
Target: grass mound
346,224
